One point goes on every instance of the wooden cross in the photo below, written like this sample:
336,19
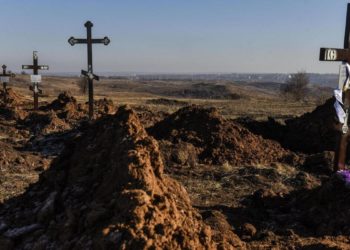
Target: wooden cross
5,78
332,54
35,78
89,73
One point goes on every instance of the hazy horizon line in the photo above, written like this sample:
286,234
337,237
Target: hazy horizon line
130,73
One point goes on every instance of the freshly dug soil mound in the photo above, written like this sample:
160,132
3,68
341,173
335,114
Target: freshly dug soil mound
149,117
12,97
63,100
104,106
270,129
9,110
106,191
313,132
310,133
101,107
218,140
66,107
39,122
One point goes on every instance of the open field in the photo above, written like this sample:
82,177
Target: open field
255,102
241,169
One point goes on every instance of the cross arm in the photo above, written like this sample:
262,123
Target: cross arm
104,40
331,54
90,75
27,66
43,67
72,40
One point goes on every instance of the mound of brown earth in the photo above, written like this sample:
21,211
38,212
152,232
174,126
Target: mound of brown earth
106,191
217,140
104,106
12,98
63,101
10,109
270,129
312,132
44,122
149,117
66,107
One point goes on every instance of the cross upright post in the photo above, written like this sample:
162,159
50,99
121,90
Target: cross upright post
35,78
5,78
89,74
343,55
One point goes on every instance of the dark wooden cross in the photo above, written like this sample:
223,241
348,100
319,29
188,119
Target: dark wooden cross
35,78
343,55
89,74
5,78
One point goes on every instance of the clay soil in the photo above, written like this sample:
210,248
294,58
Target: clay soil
184,177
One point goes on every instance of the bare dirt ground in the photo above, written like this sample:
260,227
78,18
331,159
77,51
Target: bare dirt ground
186,165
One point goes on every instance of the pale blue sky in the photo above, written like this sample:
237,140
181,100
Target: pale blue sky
174,35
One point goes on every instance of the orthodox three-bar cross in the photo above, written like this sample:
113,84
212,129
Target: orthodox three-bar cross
35,78
89,74
331,54
5,79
